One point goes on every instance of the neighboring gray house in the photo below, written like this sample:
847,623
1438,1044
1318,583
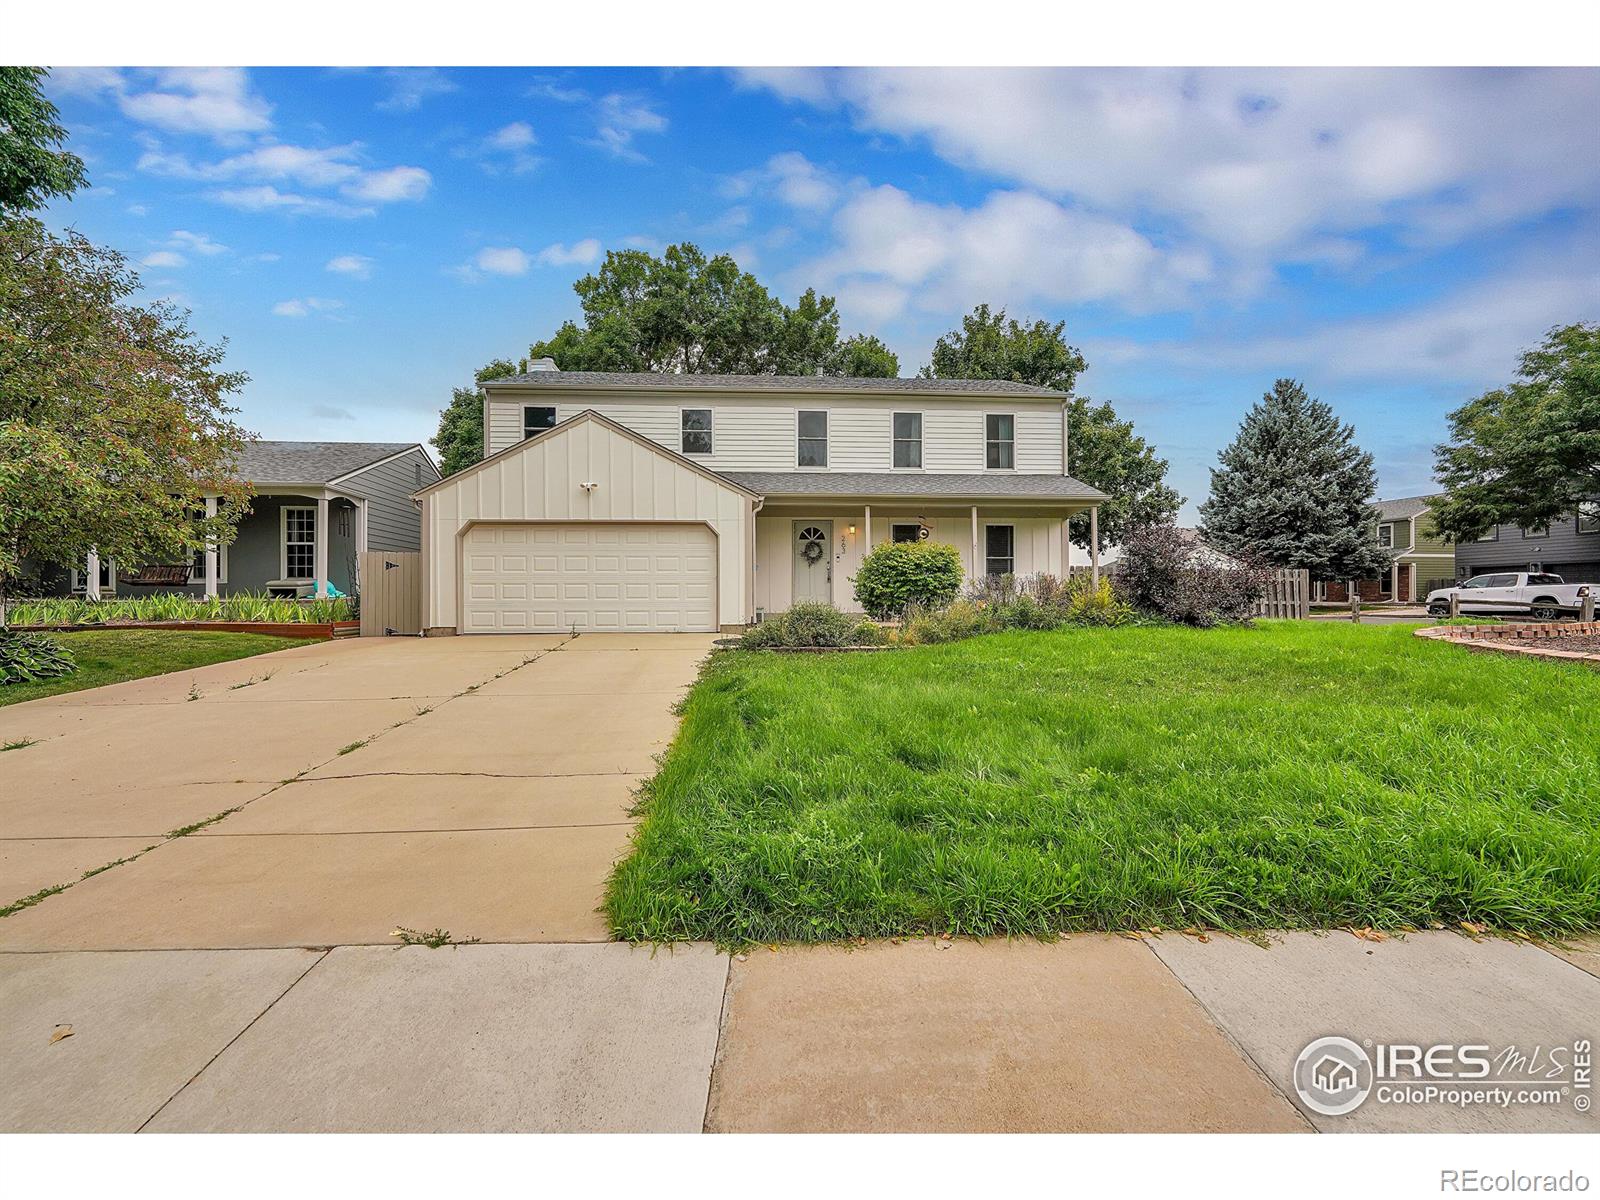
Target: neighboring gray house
316,506
1569,547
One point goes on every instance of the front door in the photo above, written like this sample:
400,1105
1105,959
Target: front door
813,560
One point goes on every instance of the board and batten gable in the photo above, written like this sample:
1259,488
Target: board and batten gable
541,481
392,520
759,432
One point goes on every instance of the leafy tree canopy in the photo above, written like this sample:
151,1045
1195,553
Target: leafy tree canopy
684,312
1526,453
33,167
1293,490
460,437
1103,451
114,417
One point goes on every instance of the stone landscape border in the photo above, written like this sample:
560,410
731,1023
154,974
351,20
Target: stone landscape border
1542,641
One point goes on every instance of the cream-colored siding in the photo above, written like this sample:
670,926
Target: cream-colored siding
542,482
757,433
1038,545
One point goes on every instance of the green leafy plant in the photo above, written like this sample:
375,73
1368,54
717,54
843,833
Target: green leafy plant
169,606
898,575
433,939
811,623
29,657
928,627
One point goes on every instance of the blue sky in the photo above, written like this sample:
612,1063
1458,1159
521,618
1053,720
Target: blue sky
365,238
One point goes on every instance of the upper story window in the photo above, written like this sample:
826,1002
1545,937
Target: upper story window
811,449
696,431
1386,535
1000,441
1492,536
535,420
1589,516
908,439
1537,531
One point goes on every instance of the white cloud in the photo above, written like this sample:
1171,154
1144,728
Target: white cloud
266,198
582,253
196,243
390,185
217,101
163,258
410,86
516,136
305,307
793,178
619,118
502,260
1260,164
138,210
331,412
510,146
357,266
329,168
893,251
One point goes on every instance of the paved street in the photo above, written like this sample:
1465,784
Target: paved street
245,976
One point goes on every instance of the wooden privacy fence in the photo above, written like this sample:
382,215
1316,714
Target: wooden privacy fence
391,593
1288,595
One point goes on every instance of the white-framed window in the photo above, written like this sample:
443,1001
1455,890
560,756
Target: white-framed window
1000,441
1492,536
536,418
811,438
1589,516
1537,531
695,424
1000,550
299,559
913,531
907,435
1386,536
197,567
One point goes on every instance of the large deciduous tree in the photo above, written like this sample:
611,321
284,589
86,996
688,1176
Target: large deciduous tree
33,167
114,416
1103,450
1293,489
460,437
1530,451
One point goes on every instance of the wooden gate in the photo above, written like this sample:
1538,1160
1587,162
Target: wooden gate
1288,595
391,593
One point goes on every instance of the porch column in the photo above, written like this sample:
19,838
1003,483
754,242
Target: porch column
361,538
1066,548
976,574
1094,545
212,574
91,578
866,530
1394,581
320,548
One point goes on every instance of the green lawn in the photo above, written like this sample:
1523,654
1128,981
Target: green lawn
114,655
1294,774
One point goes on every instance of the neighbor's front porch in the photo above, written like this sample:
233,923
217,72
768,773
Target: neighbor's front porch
811,549
296,540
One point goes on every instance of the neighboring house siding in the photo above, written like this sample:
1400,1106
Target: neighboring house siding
393,521
758,434
1565,550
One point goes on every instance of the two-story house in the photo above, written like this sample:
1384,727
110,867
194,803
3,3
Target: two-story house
642,502
1568,546
1423,558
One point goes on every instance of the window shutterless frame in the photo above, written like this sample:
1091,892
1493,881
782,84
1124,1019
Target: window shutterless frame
1000,549
1386,536
904,531
1588,516
695,433
811,438
907,435
298,548
536,418
1000,441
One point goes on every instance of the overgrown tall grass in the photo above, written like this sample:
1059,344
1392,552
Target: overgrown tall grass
1290,775
168,606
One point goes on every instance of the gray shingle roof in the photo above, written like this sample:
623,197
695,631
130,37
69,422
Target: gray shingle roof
897,483
615,380
1404,508
310,462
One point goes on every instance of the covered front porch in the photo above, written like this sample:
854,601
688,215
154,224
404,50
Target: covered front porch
810,549
295,541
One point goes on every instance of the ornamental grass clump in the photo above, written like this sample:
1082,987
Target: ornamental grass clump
173,606
811,624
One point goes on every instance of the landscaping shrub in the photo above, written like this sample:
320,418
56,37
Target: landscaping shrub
811,623
169,606
1046,602
929,627
28,657
898,575
1164,573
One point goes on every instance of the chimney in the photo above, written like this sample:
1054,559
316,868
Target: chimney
543,364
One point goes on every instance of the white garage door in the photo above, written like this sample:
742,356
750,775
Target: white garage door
553,578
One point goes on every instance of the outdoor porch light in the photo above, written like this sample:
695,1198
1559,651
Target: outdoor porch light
852,531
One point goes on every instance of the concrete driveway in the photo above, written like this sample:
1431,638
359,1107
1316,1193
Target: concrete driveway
479,785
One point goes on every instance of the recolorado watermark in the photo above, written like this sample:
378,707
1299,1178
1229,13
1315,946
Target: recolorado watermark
1511,1183
1336,1075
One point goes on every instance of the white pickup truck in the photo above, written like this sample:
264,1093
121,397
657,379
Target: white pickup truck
1546,597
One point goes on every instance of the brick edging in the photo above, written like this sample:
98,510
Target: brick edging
1535,639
